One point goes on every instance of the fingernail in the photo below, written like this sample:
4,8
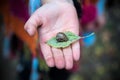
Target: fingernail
77,58
69,65
50,63
60,64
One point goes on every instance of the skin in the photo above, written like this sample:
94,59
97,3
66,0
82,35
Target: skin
53,17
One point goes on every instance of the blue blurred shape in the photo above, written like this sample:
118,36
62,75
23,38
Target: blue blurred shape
6,47
89,41
34,75
100,6
33,5
35,63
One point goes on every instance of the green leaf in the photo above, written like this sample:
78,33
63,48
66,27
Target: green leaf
71,38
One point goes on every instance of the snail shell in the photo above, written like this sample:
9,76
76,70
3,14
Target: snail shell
61,37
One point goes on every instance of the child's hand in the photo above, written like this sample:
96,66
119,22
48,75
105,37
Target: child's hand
52,18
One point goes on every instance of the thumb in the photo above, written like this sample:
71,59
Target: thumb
33,22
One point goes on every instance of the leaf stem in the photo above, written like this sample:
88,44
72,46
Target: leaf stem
87,35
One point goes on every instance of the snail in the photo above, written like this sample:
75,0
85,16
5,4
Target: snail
61,37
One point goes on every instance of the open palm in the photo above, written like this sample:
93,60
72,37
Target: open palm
52,18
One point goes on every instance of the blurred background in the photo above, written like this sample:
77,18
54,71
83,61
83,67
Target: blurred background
100,53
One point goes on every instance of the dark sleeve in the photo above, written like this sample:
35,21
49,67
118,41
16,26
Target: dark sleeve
78,7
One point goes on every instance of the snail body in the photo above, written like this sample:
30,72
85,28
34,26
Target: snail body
61,37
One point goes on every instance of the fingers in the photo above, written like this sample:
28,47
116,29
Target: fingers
76,51
68,57
59,58
33,22
47,53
